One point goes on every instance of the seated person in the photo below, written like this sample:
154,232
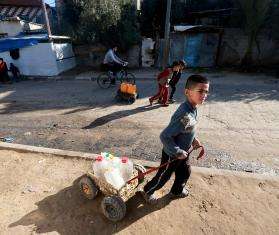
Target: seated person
15,72
4,77
112,62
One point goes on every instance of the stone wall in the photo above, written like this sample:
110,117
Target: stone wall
93,55
234,44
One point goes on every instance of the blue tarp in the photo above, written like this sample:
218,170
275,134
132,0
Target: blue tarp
12,43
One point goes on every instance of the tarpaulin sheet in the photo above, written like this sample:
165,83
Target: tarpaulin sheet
8,44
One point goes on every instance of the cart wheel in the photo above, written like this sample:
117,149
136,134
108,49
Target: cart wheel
141,169
131,100
118,97
88,188
114,208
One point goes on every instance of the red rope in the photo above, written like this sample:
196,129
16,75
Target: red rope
201,154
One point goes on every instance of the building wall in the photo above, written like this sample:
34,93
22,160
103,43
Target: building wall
12,28
64,56
93,56
38,60
234,44
43,59
197,49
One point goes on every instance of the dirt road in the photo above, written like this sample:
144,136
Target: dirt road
239,124
39,195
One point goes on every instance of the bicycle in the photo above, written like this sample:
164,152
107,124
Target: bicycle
105,79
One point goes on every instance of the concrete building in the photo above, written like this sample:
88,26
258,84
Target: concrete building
35,53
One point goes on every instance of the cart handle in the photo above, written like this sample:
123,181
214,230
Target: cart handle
140,174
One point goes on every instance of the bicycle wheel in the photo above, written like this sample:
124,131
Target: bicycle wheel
128,77
104,81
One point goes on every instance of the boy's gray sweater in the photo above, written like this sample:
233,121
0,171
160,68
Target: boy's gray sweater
180,132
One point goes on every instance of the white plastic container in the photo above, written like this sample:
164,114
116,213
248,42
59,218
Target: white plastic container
100,165
115,162
127,167
114,177
112,161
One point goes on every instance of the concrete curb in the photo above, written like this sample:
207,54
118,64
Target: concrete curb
62,153
91,156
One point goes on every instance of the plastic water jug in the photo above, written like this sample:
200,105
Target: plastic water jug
112,160
123,87
99,167
115,162
131,89
127,167
114,177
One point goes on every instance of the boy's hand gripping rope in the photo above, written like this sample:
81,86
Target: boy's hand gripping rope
141,174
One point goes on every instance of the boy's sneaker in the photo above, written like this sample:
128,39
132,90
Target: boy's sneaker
150,199
184,193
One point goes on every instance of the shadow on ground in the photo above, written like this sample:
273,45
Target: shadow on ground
75,95
53,95
82,95
119,114
67,212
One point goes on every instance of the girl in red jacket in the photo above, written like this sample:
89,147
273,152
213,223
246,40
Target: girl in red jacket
163,84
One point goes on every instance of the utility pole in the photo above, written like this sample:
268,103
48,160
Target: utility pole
167,35
46,17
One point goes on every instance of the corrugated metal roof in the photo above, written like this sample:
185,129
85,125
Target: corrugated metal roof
28,13
195,28
20,2
182,28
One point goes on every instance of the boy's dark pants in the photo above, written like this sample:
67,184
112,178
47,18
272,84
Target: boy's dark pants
182,170
173,88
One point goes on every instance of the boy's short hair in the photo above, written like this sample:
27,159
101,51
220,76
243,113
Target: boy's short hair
174,63
182,63
194,79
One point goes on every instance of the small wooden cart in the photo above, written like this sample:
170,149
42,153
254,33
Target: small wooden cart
127,92
114,201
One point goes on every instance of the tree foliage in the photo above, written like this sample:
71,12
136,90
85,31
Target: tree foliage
101,21
154,11
255,15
